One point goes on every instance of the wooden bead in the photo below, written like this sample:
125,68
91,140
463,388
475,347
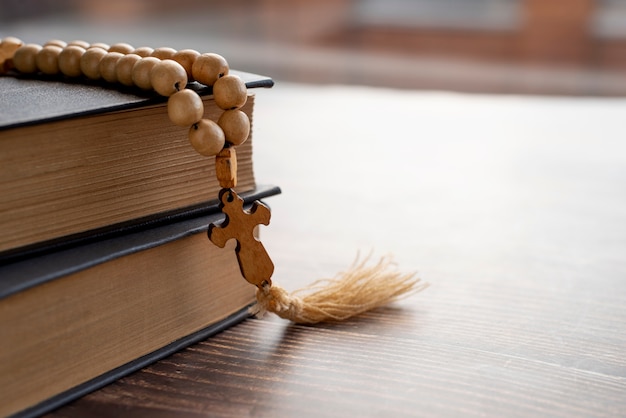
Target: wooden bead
100,45
186,58
8,47
230,92
143,51
108,65
163,53
236,126
141,72
122,48
124,69
24,58
167,77
56,42
185,107
82,44
90,62
226,168
207,68
11,40
69,60
47,59
206,137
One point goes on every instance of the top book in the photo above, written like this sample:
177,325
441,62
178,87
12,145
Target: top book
79,160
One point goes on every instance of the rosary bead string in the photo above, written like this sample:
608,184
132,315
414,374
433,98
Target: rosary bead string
164,70
167,71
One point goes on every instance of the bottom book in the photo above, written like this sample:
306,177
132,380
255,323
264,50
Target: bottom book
75,320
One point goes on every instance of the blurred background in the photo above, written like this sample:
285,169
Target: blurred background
572,47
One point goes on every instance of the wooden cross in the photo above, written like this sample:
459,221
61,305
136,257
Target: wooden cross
255,264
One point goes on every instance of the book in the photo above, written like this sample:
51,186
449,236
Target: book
77,159
76,319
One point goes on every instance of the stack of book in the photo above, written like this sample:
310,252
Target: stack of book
105,265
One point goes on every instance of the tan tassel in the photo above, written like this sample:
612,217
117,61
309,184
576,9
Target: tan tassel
352,292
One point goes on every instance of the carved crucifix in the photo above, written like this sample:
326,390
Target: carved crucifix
254,261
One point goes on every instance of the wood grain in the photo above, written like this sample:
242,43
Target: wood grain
512,208
264,368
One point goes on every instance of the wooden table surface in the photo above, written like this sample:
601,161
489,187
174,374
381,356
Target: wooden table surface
512,208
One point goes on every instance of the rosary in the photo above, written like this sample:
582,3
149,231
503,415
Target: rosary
167,72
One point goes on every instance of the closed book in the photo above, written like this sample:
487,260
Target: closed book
78,158
76,319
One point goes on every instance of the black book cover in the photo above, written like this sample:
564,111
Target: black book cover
16,276
29,101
